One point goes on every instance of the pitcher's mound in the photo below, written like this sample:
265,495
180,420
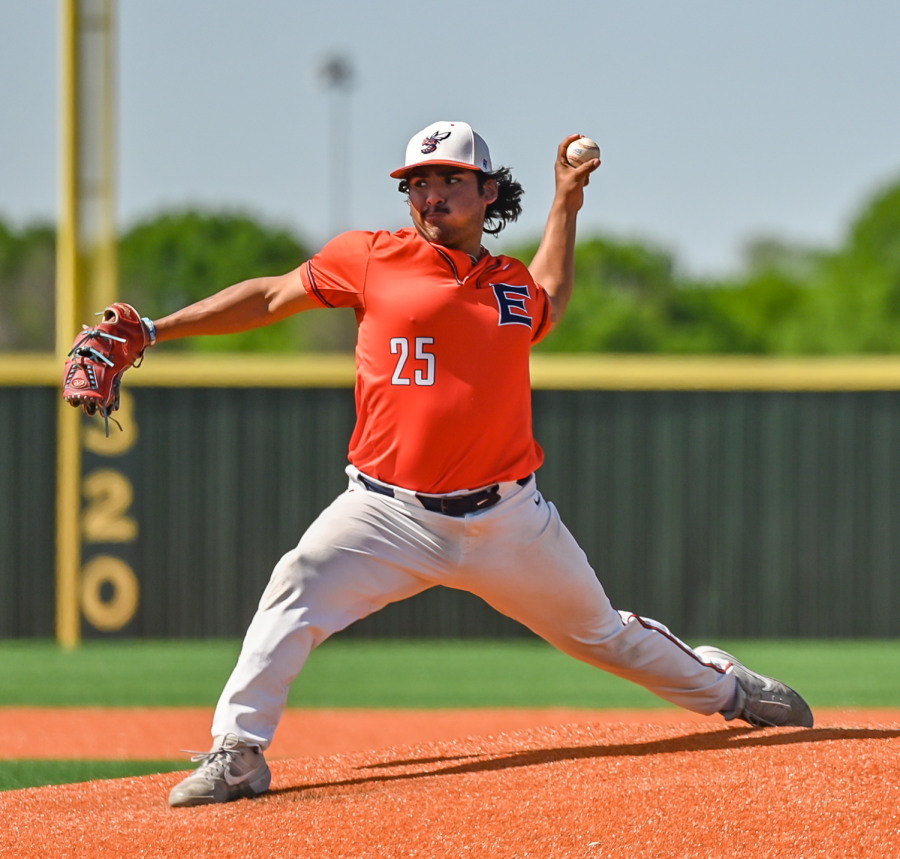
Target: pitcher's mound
587,790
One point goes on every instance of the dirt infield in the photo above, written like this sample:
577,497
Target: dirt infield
97,733
624,789
155,734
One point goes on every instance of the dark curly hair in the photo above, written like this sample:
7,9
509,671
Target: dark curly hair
505,209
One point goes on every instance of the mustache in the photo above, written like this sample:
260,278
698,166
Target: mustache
435,210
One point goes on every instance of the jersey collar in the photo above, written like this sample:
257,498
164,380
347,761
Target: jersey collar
460,263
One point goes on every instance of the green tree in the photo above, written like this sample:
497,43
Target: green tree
617,304
175,258
27,287
749,311
853,301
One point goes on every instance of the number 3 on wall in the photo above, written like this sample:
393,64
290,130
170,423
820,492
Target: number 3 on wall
400,345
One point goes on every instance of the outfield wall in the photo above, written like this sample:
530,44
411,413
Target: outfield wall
730,513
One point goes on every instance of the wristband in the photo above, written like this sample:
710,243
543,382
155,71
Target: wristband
151,329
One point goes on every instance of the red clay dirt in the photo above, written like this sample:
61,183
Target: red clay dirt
156,734
599,788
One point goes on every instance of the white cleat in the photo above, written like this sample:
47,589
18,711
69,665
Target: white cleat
232,770
761,701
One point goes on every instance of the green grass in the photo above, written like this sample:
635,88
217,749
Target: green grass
115,674
419,674
15,775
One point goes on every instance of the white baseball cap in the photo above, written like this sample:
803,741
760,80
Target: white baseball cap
453,143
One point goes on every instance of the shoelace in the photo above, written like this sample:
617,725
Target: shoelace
208,757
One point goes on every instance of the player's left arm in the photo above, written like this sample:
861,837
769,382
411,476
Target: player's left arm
553,266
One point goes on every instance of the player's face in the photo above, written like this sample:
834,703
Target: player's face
447,206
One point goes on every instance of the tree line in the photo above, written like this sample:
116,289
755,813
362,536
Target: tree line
630,295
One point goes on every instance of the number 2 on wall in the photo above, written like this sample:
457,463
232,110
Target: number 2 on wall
400,345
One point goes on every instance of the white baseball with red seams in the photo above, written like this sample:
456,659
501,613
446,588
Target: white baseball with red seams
581,151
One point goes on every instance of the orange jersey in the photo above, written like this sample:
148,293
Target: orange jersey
443,390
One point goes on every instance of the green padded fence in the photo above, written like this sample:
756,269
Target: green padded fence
747,514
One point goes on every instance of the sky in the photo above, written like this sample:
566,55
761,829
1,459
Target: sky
718,120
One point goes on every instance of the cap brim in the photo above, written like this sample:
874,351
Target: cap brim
432,162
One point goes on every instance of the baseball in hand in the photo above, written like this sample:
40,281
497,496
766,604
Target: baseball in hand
581,151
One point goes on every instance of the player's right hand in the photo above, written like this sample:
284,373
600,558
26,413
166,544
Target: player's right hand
571,181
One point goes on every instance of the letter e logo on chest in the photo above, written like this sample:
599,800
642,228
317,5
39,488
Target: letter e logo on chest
511,302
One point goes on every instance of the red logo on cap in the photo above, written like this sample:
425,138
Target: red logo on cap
430,143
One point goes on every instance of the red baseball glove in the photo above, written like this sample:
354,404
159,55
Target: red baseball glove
99,358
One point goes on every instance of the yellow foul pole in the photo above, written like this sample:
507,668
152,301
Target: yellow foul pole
68,290
86,255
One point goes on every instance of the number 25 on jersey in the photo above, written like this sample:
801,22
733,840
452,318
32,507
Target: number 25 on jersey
400,346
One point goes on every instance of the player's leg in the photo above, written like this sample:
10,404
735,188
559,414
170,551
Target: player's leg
354,559
347,565
365,551
528,566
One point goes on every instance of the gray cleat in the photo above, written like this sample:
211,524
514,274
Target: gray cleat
230,771
761,701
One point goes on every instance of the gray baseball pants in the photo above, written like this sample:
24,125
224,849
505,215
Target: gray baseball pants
367,550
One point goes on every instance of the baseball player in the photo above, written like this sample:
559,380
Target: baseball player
442,487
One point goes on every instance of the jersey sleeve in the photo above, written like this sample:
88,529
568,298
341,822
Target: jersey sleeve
541,314
336,276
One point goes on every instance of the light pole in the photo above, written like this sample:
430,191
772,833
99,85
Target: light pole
336,75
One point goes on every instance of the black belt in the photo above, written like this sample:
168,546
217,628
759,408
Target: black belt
449,505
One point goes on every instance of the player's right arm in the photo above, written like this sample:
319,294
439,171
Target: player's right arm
553,266
241,307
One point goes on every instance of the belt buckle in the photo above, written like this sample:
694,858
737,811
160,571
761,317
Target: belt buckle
456,505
